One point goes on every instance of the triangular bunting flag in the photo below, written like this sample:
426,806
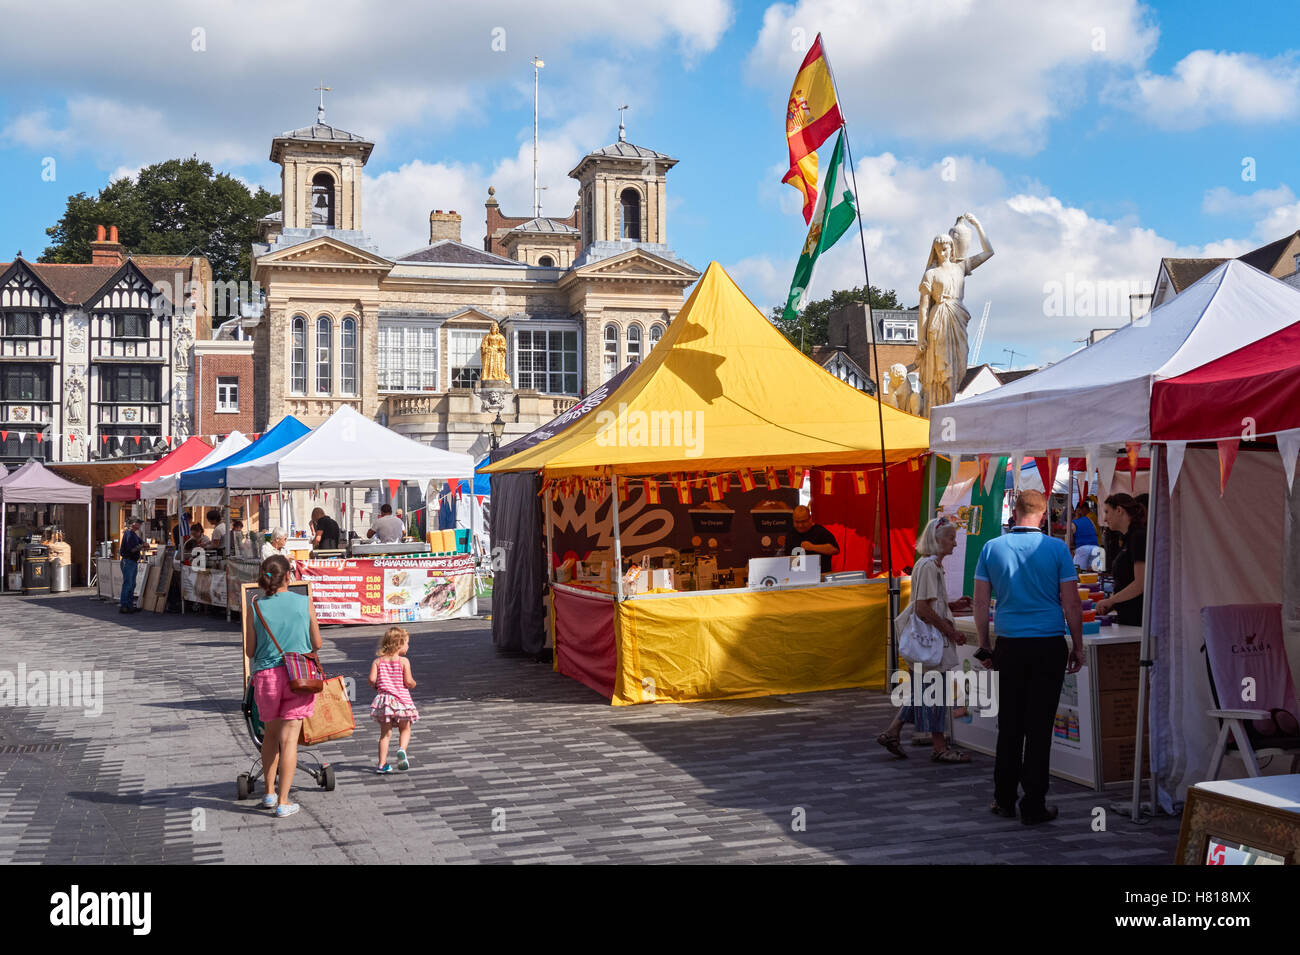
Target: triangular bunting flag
1091,455
795,474
1288,445
651,490
1017,468
4,435
983,460
1106,465
828,481
1174,452
40,437
746,477
392,488
1053,462
1132,449
1227,457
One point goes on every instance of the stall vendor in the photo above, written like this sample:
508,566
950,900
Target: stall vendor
276,545
814,538
196,538
387,528
218,536
326,532
1129,518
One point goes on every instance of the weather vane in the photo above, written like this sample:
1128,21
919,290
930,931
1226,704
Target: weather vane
622,130
320,110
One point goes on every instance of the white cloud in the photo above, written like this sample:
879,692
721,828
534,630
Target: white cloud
1222,201
1216,87
1037,238
950,71
134,96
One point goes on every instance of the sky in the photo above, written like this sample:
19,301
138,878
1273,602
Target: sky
1089,138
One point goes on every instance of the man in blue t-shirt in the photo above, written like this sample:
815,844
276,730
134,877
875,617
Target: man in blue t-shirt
130,551
1038,601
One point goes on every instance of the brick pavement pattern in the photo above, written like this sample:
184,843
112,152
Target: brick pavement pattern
511,762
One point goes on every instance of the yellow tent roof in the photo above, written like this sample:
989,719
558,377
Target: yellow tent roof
722,390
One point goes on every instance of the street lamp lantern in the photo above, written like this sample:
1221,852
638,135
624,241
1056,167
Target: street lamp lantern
498,429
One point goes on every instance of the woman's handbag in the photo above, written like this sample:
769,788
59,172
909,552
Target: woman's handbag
304,669
921,643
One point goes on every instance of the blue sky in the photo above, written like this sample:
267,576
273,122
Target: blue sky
1089,142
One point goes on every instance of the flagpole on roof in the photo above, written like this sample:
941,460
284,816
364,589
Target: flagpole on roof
887,547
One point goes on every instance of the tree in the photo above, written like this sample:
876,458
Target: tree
172,208
812,327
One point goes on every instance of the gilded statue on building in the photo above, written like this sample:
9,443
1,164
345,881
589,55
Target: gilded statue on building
942,345
493,352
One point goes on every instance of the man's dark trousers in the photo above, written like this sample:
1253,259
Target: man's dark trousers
1030,673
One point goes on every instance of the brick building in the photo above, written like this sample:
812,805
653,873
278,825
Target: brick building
223,387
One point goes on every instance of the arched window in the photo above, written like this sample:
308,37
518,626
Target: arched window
656,333
547,261
611,351
634,344
629,209
348,358
324,355
298,358
322,200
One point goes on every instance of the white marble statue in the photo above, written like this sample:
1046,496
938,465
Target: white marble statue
942,345
902,393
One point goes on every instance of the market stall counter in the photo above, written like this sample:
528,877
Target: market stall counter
1096,717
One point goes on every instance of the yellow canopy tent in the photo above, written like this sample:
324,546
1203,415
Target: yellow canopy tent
722,390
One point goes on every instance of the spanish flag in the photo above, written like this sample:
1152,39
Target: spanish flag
811,115
651,491
747,481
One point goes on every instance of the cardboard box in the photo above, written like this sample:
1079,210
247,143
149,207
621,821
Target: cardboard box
1118,713
1117,759
1117,667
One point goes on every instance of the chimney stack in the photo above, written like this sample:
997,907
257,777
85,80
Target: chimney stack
106,251
444,225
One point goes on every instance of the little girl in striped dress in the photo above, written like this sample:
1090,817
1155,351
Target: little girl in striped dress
390,675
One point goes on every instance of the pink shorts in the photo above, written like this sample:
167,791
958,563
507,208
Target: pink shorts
274,699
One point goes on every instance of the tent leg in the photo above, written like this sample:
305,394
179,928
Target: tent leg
90,534
4,549
932,477
473,545
550,553
225,548
618,538
1144,656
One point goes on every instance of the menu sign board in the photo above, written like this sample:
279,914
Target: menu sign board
389,589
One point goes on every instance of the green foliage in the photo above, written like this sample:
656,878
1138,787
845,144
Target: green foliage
175,207
811,328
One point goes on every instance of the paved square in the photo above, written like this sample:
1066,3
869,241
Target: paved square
510,763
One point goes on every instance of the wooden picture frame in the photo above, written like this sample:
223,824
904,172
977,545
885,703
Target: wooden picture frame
246,617
1226,819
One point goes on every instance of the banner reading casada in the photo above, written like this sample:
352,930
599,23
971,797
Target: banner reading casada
390,589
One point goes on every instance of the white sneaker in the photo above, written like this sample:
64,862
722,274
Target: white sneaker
286,809
270,801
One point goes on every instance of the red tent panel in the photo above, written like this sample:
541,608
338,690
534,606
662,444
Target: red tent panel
1260,381
186,456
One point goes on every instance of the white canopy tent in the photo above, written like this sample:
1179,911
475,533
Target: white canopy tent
349,449
1098,401
166,487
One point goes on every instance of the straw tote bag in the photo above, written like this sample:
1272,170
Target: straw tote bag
332,718
304,669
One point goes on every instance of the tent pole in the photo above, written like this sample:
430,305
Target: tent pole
4,548
1144,657
618,544
90,533
550,553
932,477
473,546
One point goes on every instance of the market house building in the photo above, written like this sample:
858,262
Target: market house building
92,364
396,333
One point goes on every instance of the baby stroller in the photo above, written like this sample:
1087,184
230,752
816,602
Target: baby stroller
308,761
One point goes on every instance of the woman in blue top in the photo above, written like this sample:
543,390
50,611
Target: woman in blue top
293,623
1081,537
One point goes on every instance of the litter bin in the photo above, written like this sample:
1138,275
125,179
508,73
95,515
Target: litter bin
36,569
60,576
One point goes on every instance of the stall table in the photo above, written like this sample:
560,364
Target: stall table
1093,739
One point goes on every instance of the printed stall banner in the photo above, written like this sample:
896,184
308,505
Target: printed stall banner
389,590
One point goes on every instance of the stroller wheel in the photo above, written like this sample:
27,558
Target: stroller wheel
242,786
327,778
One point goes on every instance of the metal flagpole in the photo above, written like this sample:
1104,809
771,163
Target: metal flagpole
887,548
618,543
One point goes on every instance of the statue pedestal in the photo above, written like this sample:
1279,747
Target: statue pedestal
492,395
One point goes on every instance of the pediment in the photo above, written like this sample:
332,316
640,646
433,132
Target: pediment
473,316
324,251
636,263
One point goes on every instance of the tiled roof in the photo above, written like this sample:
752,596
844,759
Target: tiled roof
545,225
450,252
74,284
320,132
1185,272
1265,257
625,150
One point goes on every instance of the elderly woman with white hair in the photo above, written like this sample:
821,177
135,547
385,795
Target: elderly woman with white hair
930,603
276,545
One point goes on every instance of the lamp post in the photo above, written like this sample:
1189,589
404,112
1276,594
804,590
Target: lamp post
498,429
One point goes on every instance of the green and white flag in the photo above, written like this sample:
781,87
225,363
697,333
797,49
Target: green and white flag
974,506
831,219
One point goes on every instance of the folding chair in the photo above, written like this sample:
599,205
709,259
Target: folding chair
1244,647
